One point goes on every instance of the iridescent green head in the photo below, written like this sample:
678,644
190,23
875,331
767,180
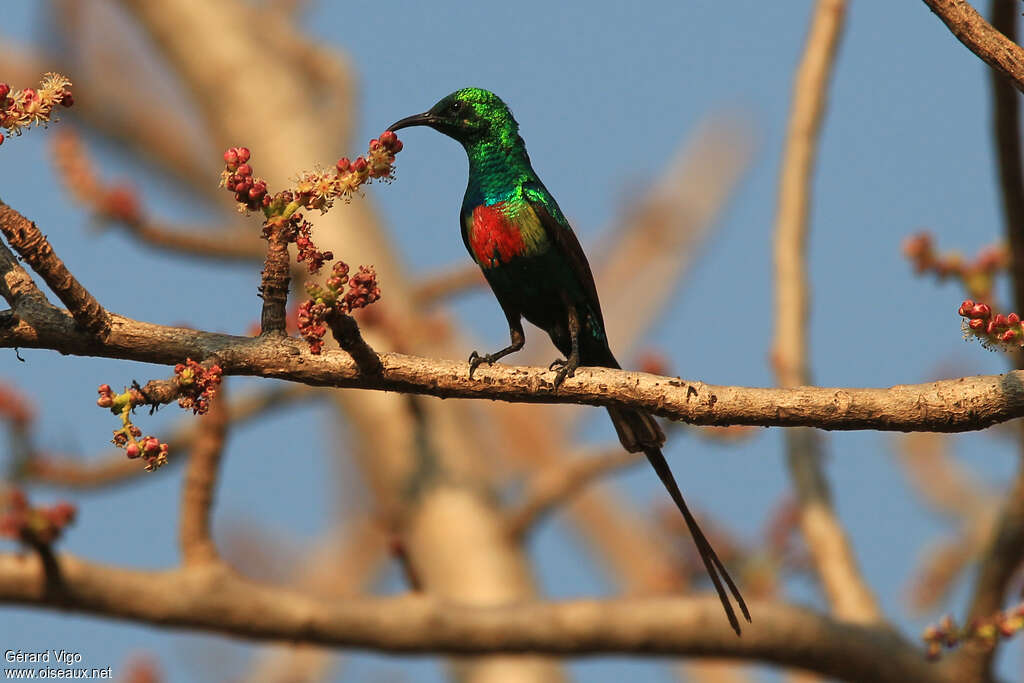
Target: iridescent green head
471,116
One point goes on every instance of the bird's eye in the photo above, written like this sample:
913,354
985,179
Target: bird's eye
456,107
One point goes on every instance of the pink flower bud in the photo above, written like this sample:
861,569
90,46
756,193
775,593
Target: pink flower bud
976,324
980,311
1009,335
231,157
359,165
244,169
243,154
4,90
966,307
132,450
104,389
1013,318
999,321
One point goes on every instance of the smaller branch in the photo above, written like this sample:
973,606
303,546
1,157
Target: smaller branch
439,286
200,483
555,486
1009,151
276,279
25,238
16,285
1001,559
971,29
346,332
110,470
120,205
207,242
845,587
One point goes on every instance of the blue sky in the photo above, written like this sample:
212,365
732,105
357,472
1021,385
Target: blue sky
603,97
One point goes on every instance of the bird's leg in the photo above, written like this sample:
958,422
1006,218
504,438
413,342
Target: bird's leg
567,367
518,338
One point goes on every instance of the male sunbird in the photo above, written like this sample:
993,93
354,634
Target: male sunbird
531,258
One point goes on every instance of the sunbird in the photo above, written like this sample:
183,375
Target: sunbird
514,230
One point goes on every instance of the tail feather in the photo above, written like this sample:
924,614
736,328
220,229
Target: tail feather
639,431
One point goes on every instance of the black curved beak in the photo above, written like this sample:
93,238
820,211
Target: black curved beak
424,119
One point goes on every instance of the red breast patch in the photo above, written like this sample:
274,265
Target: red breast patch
494,237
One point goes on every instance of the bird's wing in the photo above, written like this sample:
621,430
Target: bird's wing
564,240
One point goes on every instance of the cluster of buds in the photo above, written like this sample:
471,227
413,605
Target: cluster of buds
109,202
319,189
993,330
313,189
977,275
980,632
307,251
198,385
36,526
23,108
250,192
334,299
129,436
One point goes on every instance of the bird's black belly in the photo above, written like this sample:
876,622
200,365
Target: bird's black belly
542,292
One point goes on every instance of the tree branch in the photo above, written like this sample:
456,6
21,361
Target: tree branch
113,469
215,598
1002,557
955,405
25,238
200,483
971,29
844,585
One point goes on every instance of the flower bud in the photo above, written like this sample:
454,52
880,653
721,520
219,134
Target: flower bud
980,311
965,307
132,450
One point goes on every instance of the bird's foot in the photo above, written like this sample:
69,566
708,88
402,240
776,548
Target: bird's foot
566,368
476,360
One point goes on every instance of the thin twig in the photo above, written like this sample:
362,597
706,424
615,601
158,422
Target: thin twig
346,333
971,29
848,593
436,287
110,470
557,485
26,239
200,483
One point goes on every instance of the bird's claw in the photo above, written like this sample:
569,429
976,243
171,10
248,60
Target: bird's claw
567,368
475,360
